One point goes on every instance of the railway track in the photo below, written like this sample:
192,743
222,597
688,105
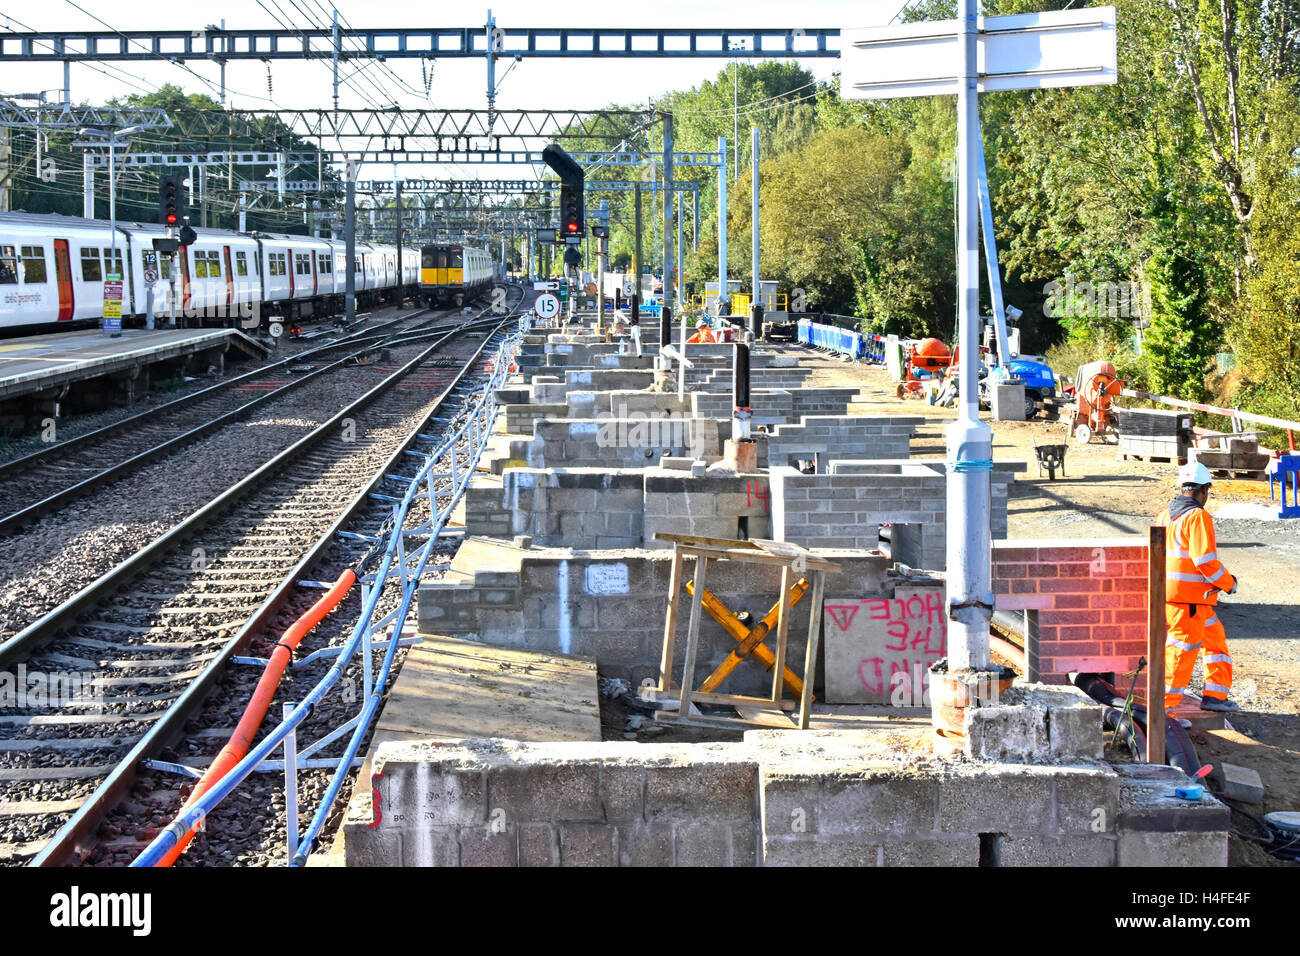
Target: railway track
47,480
152,636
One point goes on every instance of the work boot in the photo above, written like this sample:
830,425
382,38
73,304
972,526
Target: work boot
1215,703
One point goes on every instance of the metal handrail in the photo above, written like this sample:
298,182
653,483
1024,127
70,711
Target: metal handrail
396,558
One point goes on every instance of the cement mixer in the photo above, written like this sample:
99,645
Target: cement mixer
1095,389
923,362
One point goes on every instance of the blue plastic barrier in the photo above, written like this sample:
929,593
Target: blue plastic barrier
842,341
1286,471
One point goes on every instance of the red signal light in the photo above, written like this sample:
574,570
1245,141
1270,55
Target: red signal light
171,219
572,227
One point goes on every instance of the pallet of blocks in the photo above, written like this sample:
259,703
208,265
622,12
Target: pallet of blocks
1154,434
1236,455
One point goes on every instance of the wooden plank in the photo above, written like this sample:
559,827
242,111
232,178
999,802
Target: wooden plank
757,557
1156,631
740,700
751,641
810,653
782,634
700,540
453,688
670,623
693,634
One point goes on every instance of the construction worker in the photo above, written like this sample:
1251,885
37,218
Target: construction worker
1194,578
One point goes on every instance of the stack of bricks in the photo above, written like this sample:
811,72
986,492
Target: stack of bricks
842,436
574,507
614,443
845,509
1087,602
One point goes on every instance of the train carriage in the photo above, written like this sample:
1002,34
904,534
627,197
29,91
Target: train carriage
53,269
453,273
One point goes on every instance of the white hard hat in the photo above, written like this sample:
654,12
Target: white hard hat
1194,473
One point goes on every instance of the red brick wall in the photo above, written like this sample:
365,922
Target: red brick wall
1090,596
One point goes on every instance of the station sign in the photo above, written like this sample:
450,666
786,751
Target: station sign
113,305
547,306
546,286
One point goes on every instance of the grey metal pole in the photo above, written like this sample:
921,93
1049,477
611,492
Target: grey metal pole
636,255
753,173
397,211
970,441
722,223
88,186
678,284
350,246
336,61
669,264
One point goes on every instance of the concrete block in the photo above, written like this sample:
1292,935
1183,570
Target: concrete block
805,853
362,847
995,798
645,844
955,850
1006,732
485,846
725,792
702,844
873,803
530,791
1238,783
1091,850
587,844
538,845
1146,848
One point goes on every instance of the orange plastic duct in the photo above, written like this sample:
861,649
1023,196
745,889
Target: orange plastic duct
242,739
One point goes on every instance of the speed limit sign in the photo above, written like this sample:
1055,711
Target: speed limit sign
276,330
547,306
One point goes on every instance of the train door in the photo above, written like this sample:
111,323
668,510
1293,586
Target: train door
63,277
230,281
289,268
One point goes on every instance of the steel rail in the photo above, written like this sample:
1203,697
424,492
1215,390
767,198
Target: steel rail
72,492
77,837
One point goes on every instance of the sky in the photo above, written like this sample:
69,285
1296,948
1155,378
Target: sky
456,83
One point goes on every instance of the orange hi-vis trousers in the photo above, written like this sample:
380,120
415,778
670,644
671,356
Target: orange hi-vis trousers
1193,628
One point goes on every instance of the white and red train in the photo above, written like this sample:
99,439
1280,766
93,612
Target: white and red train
52,271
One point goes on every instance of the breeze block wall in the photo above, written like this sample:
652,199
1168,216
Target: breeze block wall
845,509
842,436
1086,601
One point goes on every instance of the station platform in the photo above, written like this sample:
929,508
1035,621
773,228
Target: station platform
40,363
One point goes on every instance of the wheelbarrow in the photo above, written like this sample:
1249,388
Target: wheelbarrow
1050,457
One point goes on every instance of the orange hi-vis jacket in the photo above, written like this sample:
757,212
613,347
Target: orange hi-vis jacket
1193,572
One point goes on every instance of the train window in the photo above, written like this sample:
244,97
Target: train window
214,264
117,260
456,260
302,264
356,266
8,266
34,264
241,263
427,260
90,267
324,263
200,265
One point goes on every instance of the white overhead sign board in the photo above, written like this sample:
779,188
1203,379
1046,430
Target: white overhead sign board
1024,51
